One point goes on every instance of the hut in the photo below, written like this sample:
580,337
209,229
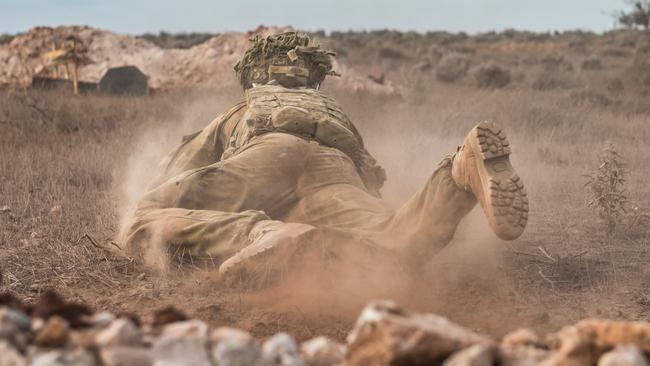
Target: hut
124,80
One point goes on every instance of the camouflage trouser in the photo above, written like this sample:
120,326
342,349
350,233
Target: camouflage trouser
209,212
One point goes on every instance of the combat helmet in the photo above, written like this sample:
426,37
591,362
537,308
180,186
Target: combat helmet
288,58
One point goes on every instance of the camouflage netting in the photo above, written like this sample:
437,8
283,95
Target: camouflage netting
284,49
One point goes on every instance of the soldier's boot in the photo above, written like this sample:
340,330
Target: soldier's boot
269,244
482,166
277,249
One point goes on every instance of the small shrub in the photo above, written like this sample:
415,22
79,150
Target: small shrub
452,68
556,64
390,53
578,47
177,40
590,98
463,49
6,38
66,119
614,85
615,52
591,64
550,81
606,188
492,77
642,47
436,54
637,76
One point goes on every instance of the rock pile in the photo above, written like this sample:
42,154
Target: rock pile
54,332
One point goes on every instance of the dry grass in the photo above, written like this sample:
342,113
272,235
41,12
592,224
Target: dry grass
65,161
61,161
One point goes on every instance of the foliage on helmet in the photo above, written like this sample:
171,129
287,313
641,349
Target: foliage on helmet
283,49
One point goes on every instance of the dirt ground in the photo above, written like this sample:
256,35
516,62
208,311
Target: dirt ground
70,167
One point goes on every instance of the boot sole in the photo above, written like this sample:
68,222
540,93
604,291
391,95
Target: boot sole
504,196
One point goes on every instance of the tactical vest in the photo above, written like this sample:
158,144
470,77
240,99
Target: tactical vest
308,113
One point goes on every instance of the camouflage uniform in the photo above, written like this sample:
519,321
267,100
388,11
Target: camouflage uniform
286,155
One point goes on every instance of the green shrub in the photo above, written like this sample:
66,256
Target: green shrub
606,188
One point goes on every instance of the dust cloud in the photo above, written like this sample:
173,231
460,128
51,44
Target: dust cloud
154,144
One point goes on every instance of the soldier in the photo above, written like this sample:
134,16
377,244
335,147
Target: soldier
287,169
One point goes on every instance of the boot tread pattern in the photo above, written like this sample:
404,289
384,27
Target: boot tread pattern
492,140
507,194
509,201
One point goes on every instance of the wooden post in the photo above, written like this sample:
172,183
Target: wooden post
75,82
54,68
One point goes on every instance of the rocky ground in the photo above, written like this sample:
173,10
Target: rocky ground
56,332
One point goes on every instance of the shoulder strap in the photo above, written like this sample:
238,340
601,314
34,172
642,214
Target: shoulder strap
225,118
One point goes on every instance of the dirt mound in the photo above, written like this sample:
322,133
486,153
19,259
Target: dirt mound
23,54
53,331
209,64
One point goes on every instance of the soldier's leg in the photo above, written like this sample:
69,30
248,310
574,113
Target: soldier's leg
208,212
263,176
417,230
272,248
159,237
211,212
428,221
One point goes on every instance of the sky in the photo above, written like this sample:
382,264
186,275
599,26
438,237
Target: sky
472,16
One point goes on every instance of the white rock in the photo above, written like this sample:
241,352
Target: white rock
126,356
322,351
182,343
9,356
121,332
100,320
5,208
190,351
281,350
234,347
623,356
37,324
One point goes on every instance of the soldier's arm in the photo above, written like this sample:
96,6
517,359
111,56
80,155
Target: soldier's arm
199,149
371,172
